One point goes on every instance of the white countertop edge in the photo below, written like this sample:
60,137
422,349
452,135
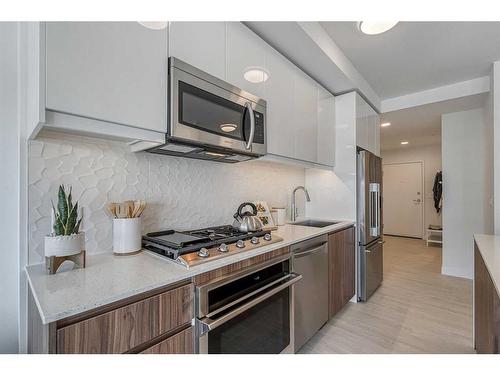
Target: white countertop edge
494,273
191,272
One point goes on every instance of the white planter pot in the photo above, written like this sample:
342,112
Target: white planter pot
127,235
64,245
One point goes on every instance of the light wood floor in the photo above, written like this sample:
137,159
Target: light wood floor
416,310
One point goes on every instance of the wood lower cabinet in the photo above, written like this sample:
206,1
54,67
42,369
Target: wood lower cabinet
341,269
125,328
181,343
486,309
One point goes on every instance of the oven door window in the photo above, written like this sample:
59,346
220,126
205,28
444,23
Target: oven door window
262,329
205,111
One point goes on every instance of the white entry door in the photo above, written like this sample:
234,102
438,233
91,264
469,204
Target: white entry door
403,199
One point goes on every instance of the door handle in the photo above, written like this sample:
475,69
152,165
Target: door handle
248,106
417,200
374,203
308,252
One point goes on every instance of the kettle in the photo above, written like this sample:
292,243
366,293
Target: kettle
247,221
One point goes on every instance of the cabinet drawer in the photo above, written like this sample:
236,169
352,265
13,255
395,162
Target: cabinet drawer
181,343
122,329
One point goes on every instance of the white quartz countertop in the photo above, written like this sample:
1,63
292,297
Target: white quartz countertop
108,278
489,247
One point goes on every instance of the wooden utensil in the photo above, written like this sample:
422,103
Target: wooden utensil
122,212
141,208
137,206
112,209
129,209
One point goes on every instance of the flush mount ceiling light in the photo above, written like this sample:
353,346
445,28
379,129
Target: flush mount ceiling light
385,124
154,25
405,142
255,74
228,128
376,27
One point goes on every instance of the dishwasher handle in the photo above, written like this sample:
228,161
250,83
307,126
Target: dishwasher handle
309,251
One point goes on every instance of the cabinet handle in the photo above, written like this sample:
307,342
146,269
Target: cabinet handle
248,106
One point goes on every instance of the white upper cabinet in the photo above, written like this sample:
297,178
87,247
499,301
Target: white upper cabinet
300,113
279,94
246,59
109,71
367,126
305,117
201,44
326,127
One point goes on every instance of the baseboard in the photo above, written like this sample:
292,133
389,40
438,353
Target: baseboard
457,272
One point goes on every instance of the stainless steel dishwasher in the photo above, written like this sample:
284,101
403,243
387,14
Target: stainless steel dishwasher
310,259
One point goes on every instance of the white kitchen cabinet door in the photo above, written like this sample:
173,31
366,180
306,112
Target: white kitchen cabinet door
246,59
363,127
110,71
367,126
201,44
305,117
279,94
376,133
326,127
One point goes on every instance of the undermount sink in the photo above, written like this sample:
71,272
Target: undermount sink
315,223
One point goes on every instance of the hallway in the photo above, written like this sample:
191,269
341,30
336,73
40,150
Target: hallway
416,310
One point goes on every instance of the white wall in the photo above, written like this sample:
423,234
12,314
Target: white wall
9,189
431,156
333,193
493,118
466,157
181,193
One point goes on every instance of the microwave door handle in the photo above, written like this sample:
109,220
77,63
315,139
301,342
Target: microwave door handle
208,324
248,106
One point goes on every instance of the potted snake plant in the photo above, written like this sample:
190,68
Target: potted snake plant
66,238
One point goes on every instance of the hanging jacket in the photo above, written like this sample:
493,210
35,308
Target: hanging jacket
438,190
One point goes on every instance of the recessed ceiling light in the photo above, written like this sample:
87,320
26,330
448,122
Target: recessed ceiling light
376,27
384,124
228,128
154,25
405,142
256,75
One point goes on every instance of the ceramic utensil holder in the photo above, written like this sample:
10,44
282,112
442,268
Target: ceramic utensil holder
280,215
126,236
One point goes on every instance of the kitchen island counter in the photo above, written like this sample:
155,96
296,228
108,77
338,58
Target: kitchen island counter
108,278
489,247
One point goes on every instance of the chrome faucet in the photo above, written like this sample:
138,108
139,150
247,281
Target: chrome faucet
295,210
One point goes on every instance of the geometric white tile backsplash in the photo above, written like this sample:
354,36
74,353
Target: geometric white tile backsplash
181,193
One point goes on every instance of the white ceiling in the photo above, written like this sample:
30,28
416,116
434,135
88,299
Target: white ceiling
416,56
422,125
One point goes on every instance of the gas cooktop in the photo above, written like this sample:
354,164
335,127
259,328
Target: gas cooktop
194,247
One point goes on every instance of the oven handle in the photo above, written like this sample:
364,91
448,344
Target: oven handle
248,106
207,324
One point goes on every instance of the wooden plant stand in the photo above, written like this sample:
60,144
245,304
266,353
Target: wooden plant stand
54,262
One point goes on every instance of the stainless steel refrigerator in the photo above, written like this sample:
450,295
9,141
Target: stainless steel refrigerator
370,242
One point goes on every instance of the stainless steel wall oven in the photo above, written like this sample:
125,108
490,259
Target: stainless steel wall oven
248,312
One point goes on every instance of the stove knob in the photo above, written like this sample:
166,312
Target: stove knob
267,237
223,248
240,244
204,253
254,240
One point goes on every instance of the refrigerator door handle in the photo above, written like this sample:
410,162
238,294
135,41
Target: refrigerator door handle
374,203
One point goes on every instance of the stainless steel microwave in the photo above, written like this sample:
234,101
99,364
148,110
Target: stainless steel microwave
211,119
